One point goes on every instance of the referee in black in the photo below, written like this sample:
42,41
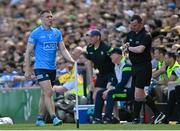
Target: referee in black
139,47
98,53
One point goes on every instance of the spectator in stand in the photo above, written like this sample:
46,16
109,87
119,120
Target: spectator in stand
154,60
171,79
8,75
159,54
69,83
177,88
167,73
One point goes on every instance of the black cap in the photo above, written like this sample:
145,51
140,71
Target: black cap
94,32
116,50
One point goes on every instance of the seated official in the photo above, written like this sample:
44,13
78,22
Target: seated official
174,91
123,90
167,72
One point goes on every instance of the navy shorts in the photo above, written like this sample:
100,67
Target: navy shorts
103,79
142,75
44,74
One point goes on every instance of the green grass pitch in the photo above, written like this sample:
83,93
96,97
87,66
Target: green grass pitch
92,127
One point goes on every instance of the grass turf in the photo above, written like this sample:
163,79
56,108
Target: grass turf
91,127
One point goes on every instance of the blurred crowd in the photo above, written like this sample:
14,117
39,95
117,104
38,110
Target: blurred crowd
74,18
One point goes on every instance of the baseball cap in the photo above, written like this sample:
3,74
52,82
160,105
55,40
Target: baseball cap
94,32
116,50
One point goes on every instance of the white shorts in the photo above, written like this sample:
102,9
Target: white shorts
69,85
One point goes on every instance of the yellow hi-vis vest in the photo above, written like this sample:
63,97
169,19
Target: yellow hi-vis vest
66,77
171,69
69,77
160,64
80,87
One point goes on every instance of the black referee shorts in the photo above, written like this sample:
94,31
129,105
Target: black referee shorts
142,75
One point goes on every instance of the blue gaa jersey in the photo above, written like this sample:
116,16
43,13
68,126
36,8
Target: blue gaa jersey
45,43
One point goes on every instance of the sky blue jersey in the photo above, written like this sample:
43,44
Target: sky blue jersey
45,43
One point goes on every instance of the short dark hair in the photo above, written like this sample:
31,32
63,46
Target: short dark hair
171,55
136,17
44,11
161,50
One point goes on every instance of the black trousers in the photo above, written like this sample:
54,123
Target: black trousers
174,97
